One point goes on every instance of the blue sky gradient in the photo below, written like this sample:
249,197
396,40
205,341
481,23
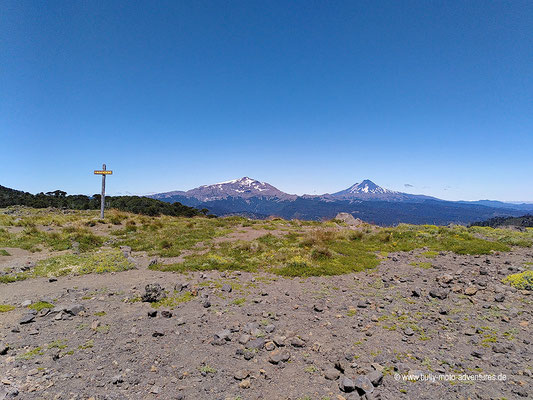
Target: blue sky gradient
310,96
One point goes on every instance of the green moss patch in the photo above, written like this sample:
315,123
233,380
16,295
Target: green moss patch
425,265
174,301
6,307
40,305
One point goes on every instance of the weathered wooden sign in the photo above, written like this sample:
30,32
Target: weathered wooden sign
103,172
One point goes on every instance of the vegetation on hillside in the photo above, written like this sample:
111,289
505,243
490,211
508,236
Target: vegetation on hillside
525,221
324,250
287,248
60,199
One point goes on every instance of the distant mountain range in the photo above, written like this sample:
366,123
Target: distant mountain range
365,200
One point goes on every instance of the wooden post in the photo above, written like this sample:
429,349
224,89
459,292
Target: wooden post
103,172
102,200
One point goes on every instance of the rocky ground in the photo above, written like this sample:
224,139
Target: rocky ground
259,336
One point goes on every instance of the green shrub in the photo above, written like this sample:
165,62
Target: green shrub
523,280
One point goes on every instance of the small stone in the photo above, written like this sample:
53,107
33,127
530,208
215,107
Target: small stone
26,319
153,292
297,342
499,348
155,389
446,278
363,384
52,279
126,250
279,340
3,349
457,288
226,288
206,304
470,332
257,332
500,297
224,334
270,328
166,314
439,293
152,313
241,374
249,327
376,377
74,309
416,292
318,307
256,344
408,331
470,290
43,312
25,303
477,353
245,384
158,334
117,379
95,325
331,374
278,356
269,346
244,338
346,384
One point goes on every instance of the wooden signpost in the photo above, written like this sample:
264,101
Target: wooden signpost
103,172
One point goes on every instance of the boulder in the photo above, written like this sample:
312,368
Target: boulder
363,384
26,319
332,374
74,309
348,219
346,384
376,377
278,356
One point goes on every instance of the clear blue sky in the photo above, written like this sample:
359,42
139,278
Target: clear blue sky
310,96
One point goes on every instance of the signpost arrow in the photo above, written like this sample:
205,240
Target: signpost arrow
103,172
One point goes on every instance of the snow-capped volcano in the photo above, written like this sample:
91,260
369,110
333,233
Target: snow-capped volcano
367,186
239,188
368,190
